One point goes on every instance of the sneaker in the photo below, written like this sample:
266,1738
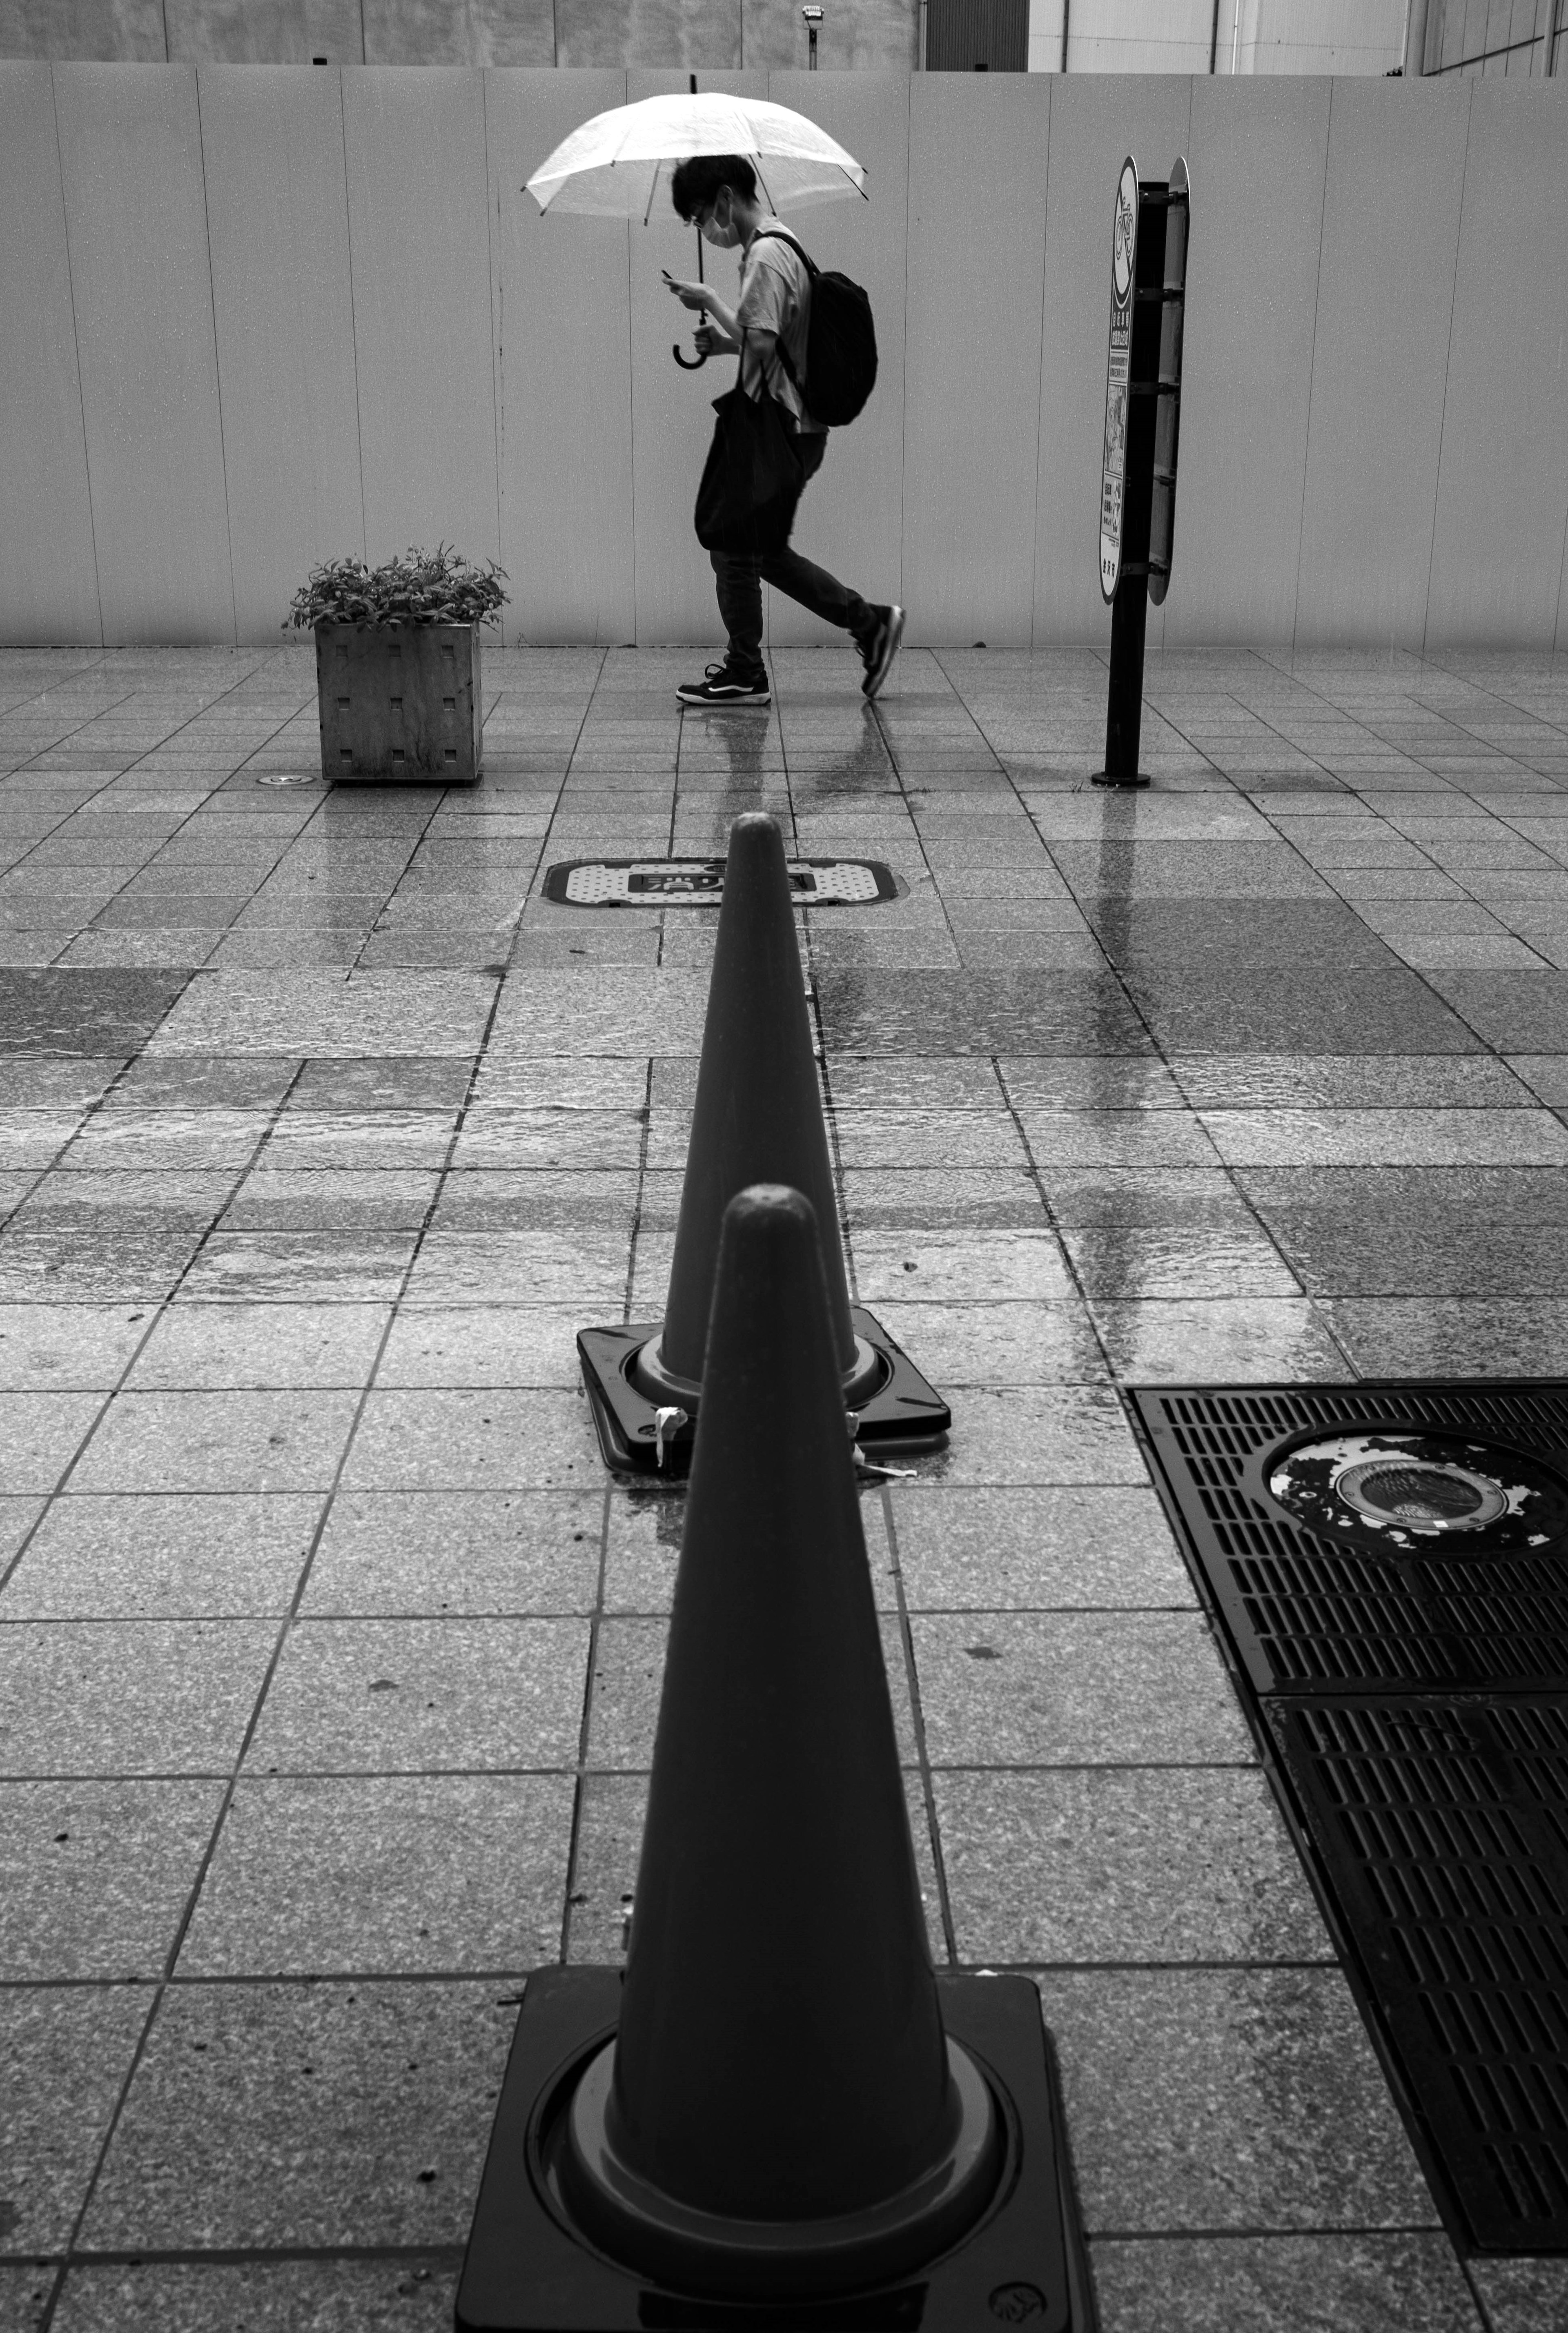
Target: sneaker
724,684
880,647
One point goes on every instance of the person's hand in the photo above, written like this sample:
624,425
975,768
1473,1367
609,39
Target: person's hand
712,342
690,296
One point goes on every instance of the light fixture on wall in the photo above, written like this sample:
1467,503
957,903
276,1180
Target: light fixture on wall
811,17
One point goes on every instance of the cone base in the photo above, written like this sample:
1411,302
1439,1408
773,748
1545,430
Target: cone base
866,1374
529,2269
741,2259
902,1412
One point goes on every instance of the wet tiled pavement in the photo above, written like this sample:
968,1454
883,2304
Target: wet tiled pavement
328,1657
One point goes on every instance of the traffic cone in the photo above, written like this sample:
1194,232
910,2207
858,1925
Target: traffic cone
781,2116
758,1118
780,2112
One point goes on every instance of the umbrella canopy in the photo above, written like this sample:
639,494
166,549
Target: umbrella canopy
612,165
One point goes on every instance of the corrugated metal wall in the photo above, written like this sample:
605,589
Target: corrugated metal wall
962,35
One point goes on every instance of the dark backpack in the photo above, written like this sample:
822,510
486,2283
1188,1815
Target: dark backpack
841,342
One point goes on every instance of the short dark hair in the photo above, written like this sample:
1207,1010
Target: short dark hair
696,181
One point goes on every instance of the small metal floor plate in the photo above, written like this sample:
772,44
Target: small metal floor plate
700,882
1389,1564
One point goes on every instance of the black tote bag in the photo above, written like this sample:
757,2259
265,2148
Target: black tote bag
752,479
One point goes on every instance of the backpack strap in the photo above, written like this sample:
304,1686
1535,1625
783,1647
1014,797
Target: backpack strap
783,234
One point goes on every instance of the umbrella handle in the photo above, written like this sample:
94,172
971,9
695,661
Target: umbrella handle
688,364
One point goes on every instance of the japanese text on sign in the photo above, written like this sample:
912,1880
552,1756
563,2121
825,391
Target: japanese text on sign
1113,470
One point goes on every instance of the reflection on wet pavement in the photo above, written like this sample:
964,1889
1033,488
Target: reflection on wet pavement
327,1650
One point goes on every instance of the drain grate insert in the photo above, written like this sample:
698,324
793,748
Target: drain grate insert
1441,1827
1389,1562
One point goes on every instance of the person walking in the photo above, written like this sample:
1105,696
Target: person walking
768,329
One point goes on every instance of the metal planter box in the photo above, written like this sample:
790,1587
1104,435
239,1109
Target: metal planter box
400,702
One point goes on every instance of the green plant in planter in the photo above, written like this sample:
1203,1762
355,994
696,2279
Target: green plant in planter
397,665
418,589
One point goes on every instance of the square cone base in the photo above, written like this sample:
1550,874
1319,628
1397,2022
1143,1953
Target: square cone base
1025,2263
905,1413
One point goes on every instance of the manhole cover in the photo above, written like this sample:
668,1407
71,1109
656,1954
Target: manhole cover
700,882
1401,1489
1390,1564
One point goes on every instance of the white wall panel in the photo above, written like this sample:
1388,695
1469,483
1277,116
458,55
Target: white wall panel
1503,475
564,381
850,520
978,181
48,581
1096,122
1385,299
1430,479
1257,159
135,212
671,410
420,246
278,210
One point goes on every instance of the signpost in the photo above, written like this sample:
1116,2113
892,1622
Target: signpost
1142,413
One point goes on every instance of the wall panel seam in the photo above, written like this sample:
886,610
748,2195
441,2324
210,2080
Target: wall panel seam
631,420
1311,371
353,327
904,384
1039,377
216,362
76,345
1448,364
497,342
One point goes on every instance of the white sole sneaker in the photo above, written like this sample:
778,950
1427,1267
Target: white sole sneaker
881,665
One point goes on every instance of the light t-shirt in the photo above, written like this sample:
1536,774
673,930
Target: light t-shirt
776,296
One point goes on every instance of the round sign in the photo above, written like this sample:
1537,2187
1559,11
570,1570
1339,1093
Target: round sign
1407,1490
1124,233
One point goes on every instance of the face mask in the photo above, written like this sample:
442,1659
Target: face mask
724,234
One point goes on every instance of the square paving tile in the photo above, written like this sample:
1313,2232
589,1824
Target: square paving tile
1360,2283
174,1555
387,1874
67,2052
476,1552
1056,1549
129,1697
1123,1864
95,1875
1012,1689
424,1695
310,2116
1208,2099
200,1441
263,2296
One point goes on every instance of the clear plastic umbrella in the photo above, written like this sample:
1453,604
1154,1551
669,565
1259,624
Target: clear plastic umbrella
613,166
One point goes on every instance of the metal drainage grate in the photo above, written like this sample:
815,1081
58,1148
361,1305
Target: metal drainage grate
700,882
1442,1831
1320,1594
1390,1564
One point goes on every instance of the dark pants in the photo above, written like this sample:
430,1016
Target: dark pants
740,577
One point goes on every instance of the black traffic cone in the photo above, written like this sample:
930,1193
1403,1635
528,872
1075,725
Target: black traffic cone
781,2058
783,2103
758,1118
